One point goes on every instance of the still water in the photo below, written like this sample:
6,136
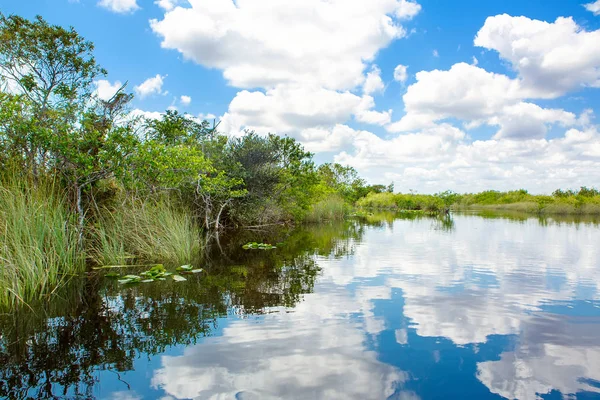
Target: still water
470,307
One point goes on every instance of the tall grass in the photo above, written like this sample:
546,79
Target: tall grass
148,231
38,240
332,208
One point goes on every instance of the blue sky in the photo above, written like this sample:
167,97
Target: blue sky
497,94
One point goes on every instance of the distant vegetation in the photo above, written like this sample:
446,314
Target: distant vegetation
585,201
561,202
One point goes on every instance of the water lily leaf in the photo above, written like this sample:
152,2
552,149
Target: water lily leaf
179,278
132,277
112,275
125,281
195,271
147,280
185,268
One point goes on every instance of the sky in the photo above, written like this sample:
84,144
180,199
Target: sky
465,95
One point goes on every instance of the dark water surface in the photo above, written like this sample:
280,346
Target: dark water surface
379,308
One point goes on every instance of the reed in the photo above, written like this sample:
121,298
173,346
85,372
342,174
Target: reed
38,240
151,231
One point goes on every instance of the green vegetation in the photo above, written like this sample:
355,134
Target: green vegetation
128,190
147,231
38,240
585,201
258,246
408,202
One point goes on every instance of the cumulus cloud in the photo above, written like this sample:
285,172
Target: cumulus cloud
527,120
106,90
150,86
400,73
476,96
185,100
119,6
465,91
593,7
250,40
550,58
373,82
166,5
293,108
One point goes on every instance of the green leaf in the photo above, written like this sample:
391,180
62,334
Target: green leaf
112,275
179,278
196,271
125,281
147,280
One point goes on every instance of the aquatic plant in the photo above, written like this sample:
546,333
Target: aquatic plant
157,273
258,246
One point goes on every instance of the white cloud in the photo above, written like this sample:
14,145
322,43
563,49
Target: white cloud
119,6
551,58
476,96
527,120
593,7
166,5
435,53
400,73
373,82
407,9
250,40
291,109
475,61
185,100
106,90
150,86
207,117
465,91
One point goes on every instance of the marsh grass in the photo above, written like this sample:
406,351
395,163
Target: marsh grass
332,208
38,240
403,202
148,231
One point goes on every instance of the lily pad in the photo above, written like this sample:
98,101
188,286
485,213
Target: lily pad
179,278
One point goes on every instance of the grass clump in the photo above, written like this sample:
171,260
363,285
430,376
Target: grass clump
331,208
148,231
38,241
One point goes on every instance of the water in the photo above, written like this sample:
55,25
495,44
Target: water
409,309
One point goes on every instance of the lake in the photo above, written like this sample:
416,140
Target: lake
379,307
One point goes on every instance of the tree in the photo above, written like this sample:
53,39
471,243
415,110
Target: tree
52,66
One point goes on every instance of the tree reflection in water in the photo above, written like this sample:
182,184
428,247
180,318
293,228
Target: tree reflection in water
52,349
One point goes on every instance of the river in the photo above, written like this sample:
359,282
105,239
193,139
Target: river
381,307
